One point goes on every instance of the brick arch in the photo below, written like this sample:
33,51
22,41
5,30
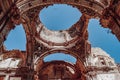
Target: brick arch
79,62
95,6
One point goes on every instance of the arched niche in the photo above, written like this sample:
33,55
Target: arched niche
60,70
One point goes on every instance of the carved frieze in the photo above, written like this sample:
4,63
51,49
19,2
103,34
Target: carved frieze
33,13
78,48
76,29
89,12
39,48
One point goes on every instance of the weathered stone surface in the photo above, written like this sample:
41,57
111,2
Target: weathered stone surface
91,64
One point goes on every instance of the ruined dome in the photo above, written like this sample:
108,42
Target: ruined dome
100,58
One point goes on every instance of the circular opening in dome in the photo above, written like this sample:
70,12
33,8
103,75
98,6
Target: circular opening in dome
60,57
59,16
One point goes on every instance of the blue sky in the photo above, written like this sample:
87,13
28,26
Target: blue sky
65,57
61,17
